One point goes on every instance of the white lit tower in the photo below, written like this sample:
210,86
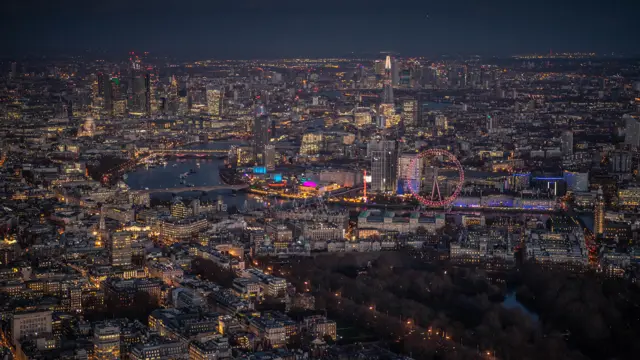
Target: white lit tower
387,97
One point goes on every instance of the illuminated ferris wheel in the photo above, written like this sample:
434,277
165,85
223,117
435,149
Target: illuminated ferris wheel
424,168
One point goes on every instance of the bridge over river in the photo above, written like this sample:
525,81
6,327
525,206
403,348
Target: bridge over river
194,188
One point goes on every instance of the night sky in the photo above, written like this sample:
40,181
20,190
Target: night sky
284,28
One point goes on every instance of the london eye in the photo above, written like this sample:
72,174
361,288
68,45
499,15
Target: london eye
424,173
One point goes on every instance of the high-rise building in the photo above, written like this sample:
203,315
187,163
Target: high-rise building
620,162
384,165
632,131
270,157
106,91
120,252
261,134
214,102
139,91
567,142
387,96
106,342
410,112
378,67
598,214
410,168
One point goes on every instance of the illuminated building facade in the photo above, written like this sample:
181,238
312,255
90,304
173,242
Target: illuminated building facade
410,112
311,144
261,134
598,214
384,164
408,175
120,249
106,342
214,102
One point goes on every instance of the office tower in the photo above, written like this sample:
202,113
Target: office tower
270,157
147,94
567,143
490,123
261,134
410,112
106,342
395,72
387,96
120,249
620,162
29,324
598,214
384,165
632,131
378,67
105,91
214,102
408,175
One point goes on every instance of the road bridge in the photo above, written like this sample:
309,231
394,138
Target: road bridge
195,188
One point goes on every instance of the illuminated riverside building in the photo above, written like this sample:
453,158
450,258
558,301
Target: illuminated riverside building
261,134
214,102
504,201
401,222
384,165
407,175
174,230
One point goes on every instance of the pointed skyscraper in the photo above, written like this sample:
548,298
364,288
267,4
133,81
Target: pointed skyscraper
387,97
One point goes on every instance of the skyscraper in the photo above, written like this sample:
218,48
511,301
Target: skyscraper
384,165
387,96
120,249
410,112
632,131
139,90
261,134
214,102
598,214
407,175
567,142
270,157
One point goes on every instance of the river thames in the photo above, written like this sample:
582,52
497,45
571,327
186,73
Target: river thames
206,174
